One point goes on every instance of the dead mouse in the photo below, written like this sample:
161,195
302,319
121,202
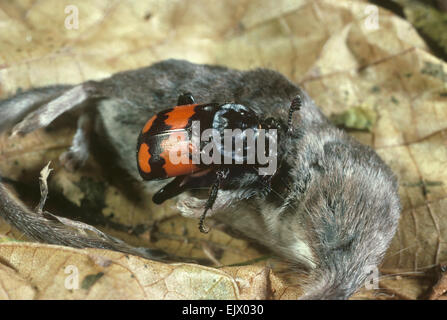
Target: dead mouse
331,207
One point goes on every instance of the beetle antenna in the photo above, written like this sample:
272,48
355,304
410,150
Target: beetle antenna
209,205
221,174
295,105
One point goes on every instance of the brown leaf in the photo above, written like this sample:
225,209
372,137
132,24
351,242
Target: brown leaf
64,273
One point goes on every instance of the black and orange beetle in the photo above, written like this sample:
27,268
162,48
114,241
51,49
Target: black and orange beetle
169,132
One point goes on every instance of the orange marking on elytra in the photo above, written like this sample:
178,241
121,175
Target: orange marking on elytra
178,145
148,124
143,158
178,118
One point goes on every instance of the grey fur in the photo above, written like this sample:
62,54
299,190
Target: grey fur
333,207
14,109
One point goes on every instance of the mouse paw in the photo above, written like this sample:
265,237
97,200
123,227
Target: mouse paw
191,207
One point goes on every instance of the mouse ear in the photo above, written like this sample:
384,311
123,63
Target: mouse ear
295,105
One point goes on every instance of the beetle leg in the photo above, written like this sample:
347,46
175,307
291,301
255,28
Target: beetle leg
220,176
294,106
182,183
185,98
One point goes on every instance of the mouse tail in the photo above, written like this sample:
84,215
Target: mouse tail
45,227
